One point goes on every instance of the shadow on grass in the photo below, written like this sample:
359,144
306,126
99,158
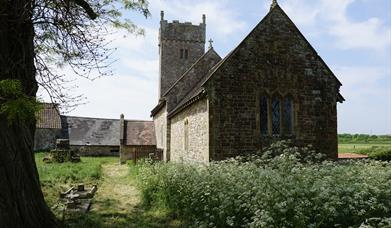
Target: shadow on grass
139,216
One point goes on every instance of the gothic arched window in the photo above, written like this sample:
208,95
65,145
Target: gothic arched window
288,115
276,114
264,116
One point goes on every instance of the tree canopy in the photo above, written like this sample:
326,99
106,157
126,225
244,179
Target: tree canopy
74,33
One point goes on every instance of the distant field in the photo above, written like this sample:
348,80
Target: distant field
360,147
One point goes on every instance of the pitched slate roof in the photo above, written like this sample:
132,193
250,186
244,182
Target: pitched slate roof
48,117
187,82
92,131
140,133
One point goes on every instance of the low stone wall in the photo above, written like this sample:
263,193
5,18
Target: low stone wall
129,152
45,138
96,150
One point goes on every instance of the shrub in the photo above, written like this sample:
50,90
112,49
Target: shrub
282,191
380,153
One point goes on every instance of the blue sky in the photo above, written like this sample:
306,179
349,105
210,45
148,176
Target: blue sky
352,36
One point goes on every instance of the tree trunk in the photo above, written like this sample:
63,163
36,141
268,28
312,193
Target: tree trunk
21,199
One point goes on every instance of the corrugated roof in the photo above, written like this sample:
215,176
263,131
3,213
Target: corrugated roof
140,133
49,117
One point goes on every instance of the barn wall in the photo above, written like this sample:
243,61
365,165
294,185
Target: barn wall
96,150
45,138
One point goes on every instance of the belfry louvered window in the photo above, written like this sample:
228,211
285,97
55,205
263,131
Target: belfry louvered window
181,53
264,116
276,115
288,115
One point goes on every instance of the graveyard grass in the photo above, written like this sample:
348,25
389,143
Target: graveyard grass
117,202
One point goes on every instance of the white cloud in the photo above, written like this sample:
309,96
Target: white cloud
132,44
331,17
222,20
367,108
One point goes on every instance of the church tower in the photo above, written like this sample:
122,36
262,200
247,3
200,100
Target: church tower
180,45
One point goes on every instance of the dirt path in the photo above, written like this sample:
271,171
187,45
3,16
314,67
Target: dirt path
117,203
118,192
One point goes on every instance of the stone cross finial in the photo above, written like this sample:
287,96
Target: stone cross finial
210,43
274,3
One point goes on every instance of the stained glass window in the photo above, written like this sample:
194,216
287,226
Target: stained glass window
288,115
276,116
264,116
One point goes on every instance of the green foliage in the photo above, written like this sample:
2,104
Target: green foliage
282,192
15,104
378,152
363,138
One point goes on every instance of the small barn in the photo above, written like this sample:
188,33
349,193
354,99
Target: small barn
48,127
137,140
92,136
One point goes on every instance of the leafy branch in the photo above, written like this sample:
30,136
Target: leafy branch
15,104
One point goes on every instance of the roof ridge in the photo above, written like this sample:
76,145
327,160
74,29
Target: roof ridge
139,120
83,117
277,6
218,65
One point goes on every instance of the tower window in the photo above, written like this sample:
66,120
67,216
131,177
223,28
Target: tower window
184,53
181,53
264,116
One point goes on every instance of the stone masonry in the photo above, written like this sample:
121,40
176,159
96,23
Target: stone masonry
180,45
197,122
273,86
274,60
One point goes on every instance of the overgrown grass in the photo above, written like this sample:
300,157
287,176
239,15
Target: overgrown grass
277,192
359,148
57,177
117,201
375,151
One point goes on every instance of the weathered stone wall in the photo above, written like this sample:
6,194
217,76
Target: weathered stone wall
96,150
172,38
45,138
197,118
160,122
128,152
274,60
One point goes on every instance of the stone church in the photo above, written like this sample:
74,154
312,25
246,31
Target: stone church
272,86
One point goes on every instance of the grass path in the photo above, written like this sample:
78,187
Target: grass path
117,203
